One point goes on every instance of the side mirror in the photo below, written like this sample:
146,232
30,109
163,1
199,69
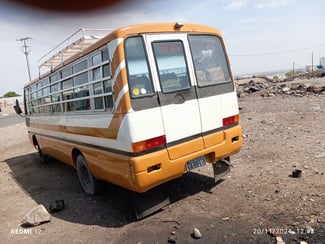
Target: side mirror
17,108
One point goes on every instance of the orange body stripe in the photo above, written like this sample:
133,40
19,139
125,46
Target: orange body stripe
121,80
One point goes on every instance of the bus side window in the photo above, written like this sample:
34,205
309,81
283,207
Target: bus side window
137,67
104,96
109,98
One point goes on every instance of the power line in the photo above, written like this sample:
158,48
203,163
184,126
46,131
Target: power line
276,53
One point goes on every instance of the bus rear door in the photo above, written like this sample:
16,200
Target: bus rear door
215,89
195,89
171,70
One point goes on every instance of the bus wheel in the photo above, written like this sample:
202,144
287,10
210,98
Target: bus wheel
88,182
44,158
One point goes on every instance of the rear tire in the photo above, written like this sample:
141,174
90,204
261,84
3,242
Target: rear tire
44,159
88,182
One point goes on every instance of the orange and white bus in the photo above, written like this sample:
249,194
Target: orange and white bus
137,107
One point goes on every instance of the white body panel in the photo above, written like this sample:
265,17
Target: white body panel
82,139
99,120
175,115
141,125
181,120
213,109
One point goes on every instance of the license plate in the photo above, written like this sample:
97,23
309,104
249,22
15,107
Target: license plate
196,162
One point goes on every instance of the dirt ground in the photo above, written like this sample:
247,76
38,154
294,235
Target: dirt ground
257,201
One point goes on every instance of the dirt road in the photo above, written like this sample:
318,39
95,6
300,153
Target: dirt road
256,202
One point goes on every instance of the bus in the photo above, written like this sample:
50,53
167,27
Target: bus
136,107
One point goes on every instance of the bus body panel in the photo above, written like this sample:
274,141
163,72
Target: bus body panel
111,167
54,148
213,109
156,168
104,165
138,126
134,173
181,120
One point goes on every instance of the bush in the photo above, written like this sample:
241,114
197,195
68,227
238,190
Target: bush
11,94
290,73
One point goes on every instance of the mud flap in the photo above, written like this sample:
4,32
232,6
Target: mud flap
221,168
150,202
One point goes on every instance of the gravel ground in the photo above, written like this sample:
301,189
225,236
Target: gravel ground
257,202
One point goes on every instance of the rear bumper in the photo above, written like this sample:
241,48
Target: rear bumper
153,169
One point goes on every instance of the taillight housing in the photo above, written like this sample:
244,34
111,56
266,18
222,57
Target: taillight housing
149,143
230,120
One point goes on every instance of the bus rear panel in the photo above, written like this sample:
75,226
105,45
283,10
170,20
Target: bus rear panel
183,104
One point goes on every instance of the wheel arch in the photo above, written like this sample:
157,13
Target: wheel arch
35,141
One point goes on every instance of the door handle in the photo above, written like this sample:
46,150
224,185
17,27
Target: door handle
178,99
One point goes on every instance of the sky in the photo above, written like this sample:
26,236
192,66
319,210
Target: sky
260,35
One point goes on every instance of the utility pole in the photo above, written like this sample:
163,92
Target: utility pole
26,50
293,70
312,65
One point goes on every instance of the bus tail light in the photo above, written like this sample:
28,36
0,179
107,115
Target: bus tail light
230,120
148,144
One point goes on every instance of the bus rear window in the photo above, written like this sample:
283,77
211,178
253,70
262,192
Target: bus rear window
210,63
140,83
171,66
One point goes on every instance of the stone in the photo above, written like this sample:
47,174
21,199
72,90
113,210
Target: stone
196,233
36,216
57,206
172,239
316,89
254,89
296,173
286,89
268,94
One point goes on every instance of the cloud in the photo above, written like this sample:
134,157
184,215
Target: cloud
236,5
273,3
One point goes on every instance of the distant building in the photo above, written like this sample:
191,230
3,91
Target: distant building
10,101
319,66
322,61
310,68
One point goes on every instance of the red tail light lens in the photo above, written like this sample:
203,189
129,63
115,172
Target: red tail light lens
148,144
230,120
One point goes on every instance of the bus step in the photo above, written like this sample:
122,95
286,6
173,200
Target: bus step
221,168
147,203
